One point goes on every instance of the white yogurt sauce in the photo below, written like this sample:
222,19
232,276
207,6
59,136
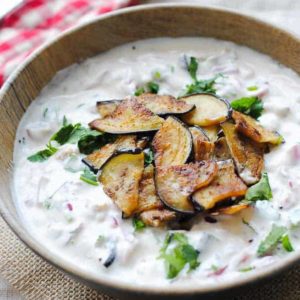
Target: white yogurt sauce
67,215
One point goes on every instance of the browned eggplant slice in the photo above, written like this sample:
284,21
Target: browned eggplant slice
175,184
106,108
98,158
222,151
252,129
148,199
247,154
164,104
225,185
157,217
172,144
129,117
212,132
210,110
203,148
231,210
120,177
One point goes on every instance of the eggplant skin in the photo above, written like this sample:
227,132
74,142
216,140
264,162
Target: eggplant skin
126,143
225,185
252,129
128,117
158,217
164,104
210,110
248,155
148,199
175,184
106,108
172,144
120,178
203,148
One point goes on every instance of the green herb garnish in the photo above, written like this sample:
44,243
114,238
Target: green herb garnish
252,88
180,254
192,67
249,225
260,190
286,243
149,156
272,240
251,106
247,269
43,155
89,177
139,91
153,87
45,112
138,224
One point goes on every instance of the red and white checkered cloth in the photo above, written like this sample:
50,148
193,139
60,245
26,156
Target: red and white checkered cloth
36,21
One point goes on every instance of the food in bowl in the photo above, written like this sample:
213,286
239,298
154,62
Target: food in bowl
164,162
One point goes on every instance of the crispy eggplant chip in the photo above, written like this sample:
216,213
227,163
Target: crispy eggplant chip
252,129
225,185
164,104
98,158
247,154
106,108
210,110
148,199
175,184
231,210
129,117
222,151
120,177
172,144
203,148
157,217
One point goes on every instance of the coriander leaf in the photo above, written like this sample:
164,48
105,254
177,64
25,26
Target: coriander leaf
180,254
247,269
63,135
80,132
138,224
192,67
201,86
153,87
42,155
89,177
252,88
45,112
157,75
139,91
251,106
249,225
65,121
272,240
149,156
260,190
286,243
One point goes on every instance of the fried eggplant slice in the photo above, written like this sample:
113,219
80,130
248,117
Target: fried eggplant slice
164,104
172,144
175,184
157,217
247,154
129,117
225,185
231,210
210,110
97,159
148,199
222,151
203,148
120,177
252,129
106,108
212,132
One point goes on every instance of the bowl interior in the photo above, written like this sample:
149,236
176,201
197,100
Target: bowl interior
103,34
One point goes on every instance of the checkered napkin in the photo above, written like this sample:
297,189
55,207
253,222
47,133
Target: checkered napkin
35,21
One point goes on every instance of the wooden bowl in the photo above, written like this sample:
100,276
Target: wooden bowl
103,34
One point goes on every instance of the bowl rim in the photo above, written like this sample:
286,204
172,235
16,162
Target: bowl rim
100,280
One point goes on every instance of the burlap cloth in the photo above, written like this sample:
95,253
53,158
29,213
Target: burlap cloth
36,279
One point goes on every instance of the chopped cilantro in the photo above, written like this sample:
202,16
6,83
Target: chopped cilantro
180,254
45,112
251,106
260,190
63,135
42,155
192,67
149,156
249,225
286,243
153,87
252,88
157,75
139,91
138,224
247,269
272,240
89,177
65,121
